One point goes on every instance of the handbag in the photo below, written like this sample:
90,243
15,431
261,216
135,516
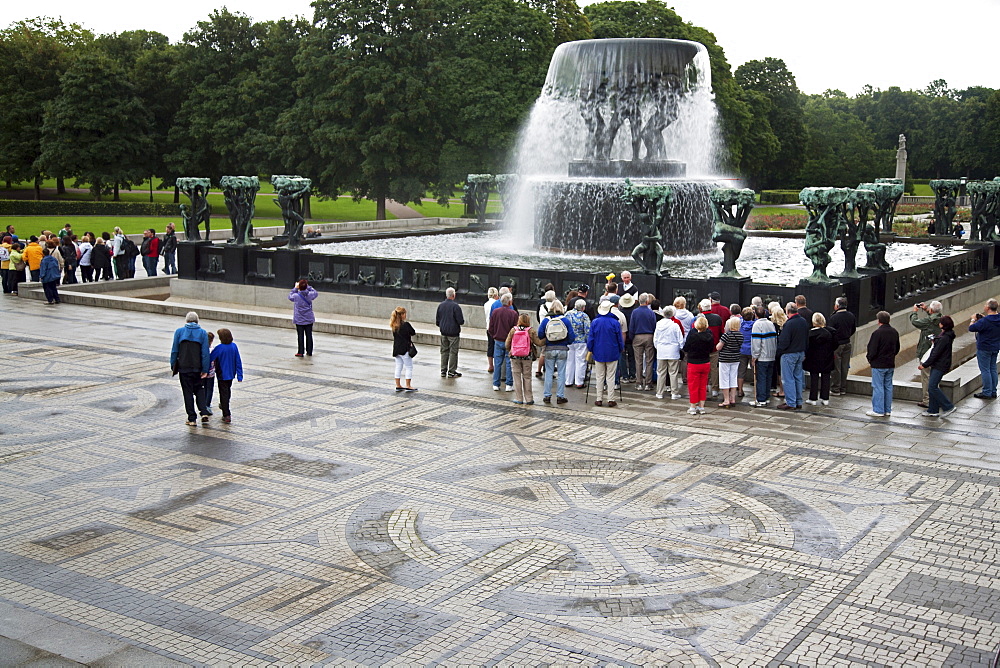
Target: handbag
18,266
412,351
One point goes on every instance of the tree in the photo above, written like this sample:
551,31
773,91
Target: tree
95,129
771,78
33,56
368,119
760,146
840,151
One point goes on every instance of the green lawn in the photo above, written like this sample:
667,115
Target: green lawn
28,225
776,211
923,190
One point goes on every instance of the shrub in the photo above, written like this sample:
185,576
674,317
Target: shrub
779,196
779,221
19,207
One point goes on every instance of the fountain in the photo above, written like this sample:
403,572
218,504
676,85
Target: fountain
575,150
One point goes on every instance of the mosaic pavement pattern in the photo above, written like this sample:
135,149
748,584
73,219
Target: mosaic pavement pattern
337,522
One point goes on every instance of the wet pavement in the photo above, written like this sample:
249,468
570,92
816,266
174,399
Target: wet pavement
335,521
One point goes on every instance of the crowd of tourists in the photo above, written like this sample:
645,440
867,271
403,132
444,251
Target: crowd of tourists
63,258
700,352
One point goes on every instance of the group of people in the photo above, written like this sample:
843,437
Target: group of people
713,350
199,366
54,259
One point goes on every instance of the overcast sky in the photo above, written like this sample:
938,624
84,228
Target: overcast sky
844,45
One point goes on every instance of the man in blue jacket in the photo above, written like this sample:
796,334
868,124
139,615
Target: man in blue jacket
987,329
605,343
189,360
792,344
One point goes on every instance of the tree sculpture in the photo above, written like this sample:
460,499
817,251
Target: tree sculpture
860,203
507,186
477,194
985,200
826,207
731,208
240,193
201,211
651,203
945,195
887,195
290,190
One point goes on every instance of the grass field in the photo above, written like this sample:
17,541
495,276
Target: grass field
922,190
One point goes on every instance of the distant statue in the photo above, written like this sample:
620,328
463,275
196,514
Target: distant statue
507,185
945,196
240,193
477,194
200,212
984,197
651,203
854,220
290,190
888,192
826,207
664,91
875,250
902,142
730,207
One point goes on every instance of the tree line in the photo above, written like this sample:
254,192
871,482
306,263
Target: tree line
396,99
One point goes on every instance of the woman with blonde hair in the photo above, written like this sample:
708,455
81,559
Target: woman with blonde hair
778,317
698,347
819,360
522,342
402,348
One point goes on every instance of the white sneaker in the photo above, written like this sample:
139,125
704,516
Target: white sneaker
926,414
715,395
496,388
825,402
811,402
949,411
675,396
509,388
659,396
874,414
758,404
692,411
701,411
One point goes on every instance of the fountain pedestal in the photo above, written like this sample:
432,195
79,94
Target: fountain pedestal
621,169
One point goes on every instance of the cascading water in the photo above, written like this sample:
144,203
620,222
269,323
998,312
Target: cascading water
611,109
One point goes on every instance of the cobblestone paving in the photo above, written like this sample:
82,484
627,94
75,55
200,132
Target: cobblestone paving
337,522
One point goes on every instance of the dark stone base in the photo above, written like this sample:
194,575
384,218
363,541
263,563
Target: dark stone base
589,216
620,169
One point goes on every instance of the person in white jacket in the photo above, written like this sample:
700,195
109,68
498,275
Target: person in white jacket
668,337
681,313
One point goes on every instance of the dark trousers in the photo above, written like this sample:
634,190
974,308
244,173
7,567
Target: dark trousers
87,272
209,391
193,389
51,291
121,268
819,382
14,278
69,274
5,274
841,367
225,392
35,274
630,361
305,335
938,399
149,264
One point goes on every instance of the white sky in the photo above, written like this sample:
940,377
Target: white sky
844,45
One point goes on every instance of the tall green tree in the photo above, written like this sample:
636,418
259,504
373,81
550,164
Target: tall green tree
840,151
33,56
771,78
96,128
367,119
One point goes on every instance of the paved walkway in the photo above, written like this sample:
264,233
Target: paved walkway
337,521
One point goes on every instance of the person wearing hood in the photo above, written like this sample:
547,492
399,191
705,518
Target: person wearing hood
49,274
189,359
302,297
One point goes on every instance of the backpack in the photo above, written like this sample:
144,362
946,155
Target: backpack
129,249
520,345
556,331
4,254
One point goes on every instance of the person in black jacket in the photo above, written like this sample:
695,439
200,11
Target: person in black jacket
402,343
449,320
939,363
844,325
819,360
883,346
792,344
